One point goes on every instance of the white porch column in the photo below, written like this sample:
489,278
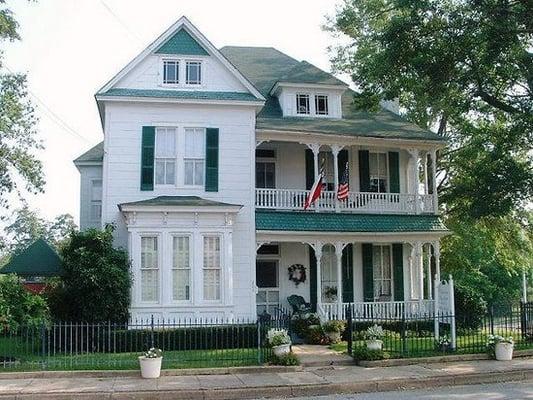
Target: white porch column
339,247
429,277
415,182
315,148
436,249
317,247
425,166
433,155
420,266
335,149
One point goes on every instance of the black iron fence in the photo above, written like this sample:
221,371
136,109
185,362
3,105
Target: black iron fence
404,337
188,343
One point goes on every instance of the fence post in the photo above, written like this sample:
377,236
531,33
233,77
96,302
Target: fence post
152,332
436,325
259,347
43,344
403,348
491,319
452,308
349,328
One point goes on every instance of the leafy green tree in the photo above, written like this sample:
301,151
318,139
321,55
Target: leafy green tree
96,282
18,142
27,225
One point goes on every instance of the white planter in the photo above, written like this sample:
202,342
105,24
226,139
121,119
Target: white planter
334,337
374,344
504,351
150,367
281,350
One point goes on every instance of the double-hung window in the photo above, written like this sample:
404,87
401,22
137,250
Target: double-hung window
181,269
321,104
381,258
96,200
193,72
149,269
302,104
165,156
171,72
194,158
265,169
212,268
378,172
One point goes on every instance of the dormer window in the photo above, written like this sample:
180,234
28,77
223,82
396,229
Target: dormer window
171,70
321,104
193,73
302,104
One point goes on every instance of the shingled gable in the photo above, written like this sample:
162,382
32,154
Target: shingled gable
172,40
38,259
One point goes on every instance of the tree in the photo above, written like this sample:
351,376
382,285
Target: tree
462,67
27,225
465,70
18,163
96,282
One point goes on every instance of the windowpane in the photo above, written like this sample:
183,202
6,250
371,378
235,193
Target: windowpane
267,274
198,172
211,268
96,189
170,72
195,142
149,269
265,176
378,172
382,271
181,268
165,142
193,72
302,104
321,104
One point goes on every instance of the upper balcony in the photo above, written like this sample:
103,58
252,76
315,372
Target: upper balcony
381,180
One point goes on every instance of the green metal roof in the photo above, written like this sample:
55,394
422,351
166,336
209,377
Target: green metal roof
182,43
181,201
95,154
264,66
38,259
340,222
179,94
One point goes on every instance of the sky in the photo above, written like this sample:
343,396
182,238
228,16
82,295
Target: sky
71,48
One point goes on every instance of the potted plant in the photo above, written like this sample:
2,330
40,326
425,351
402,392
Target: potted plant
500,348
330,292
150,363
333,330
373,337
280,341
443,343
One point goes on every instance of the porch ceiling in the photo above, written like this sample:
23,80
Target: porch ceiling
341,222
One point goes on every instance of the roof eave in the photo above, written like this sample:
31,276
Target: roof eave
170,208
138,99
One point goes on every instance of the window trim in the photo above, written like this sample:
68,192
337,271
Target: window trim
297,97
184,158
319,114
175,158
178,71
387,172
191,268
201,72
389,246
202,299
159,241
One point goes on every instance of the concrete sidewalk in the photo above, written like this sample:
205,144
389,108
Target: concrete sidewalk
305,382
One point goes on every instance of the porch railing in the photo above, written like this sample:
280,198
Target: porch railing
360,202
392,309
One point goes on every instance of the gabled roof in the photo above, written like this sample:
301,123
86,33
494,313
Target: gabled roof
170,37
343,222
304,72
265,66
38,259
93,155
182,43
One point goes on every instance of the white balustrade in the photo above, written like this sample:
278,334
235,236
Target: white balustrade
379,310
358,202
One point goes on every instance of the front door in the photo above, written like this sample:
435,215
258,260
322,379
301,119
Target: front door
267,298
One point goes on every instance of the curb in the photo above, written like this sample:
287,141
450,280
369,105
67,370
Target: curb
136,372
399,362
292,391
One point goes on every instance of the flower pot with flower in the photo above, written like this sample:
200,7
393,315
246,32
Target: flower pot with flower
501,348
373,336
280,341
333,330
150,363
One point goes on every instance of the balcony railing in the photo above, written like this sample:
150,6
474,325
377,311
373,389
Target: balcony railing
357,202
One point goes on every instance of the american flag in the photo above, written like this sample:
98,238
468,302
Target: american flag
344,186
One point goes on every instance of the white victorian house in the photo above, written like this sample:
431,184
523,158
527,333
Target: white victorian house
207,159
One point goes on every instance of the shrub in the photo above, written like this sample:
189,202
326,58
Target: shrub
301,322
334,326
364,354
97,279
19,306
315,335
287,359
278,337
470,308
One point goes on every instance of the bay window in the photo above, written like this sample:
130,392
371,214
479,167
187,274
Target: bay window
149,269
211,268
181,268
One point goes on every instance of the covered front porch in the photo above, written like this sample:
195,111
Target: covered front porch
378,266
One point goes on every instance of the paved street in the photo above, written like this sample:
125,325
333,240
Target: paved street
496,391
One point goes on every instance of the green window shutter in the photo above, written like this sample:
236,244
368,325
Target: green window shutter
368,272
364,171
341,162
347,274
397,263
309,169
312,278
147,157
211,160
394,171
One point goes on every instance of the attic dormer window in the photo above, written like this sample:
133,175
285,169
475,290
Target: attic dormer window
321,104
193,72
171,72
302,104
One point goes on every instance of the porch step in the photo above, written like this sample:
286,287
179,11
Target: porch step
320,356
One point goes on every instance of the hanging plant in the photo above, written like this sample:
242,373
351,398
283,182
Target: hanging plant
297,273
